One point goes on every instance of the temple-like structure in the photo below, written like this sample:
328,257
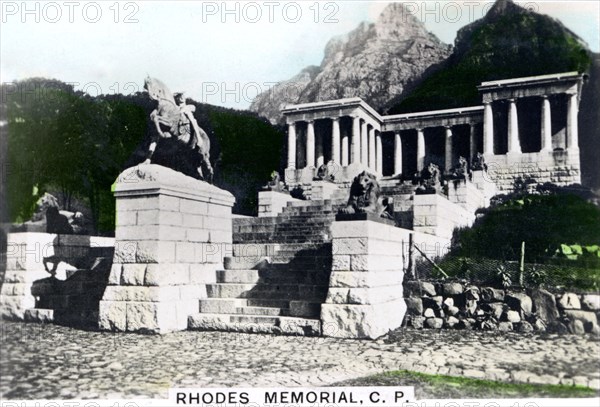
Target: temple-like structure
526,127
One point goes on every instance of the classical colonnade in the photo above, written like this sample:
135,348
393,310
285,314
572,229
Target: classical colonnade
361,142
541,88
362,145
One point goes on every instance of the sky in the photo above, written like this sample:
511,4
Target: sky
222,53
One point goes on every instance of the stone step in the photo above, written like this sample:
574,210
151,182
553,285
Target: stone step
241,307
266,291
238,276
255,324
262,311
245,263
268,276
262,263
300,227
284,239
269,249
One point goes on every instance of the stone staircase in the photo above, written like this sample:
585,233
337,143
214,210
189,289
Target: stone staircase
278,276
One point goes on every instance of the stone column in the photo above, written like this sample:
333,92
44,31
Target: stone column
546,124
488,129
355,140
572,125
171,237
292,145
420,149
472,142
310,144
319,149
364,144
379,158
448,150
397,153
372,152
345,160
335,140
514,145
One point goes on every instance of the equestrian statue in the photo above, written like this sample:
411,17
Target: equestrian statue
179,142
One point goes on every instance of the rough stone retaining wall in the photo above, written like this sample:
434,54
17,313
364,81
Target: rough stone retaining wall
463,306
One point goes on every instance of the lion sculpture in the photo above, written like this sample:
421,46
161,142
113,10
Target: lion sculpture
429,180
365,196
182,144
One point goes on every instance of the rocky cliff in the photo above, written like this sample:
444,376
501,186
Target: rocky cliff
376,61
508,42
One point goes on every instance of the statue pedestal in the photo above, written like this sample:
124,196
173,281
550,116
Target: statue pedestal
172,233
365,296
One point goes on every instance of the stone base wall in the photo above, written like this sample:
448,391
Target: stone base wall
558,167
70,292
365,299
466,194
342,175
485,185
322,190
172,234
436,215
271,203
455,305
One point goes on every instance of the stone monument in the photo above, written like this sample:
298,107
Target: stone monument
172,229
172,233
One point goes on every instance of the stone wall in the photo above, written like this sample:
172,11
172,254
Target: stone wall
364,299
485,185
172,234
456,305
34,289
558,167
436,215
466,194
271,203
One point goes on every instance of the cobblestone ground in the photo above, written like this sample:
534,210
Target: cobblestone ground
47,361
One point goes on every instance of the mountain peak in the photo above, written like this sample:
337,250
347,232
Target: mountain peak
398,14
376,61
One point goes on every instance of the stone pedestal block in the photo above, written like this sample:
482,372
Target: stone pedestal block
322,190
172,234
364,299
436,215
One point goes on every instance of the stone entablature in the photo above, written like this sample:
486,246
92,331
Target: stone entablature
352,134
542,85
436,118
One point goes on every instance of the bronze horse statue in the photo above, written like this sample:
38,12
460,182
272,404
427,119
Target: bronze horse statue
185,147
